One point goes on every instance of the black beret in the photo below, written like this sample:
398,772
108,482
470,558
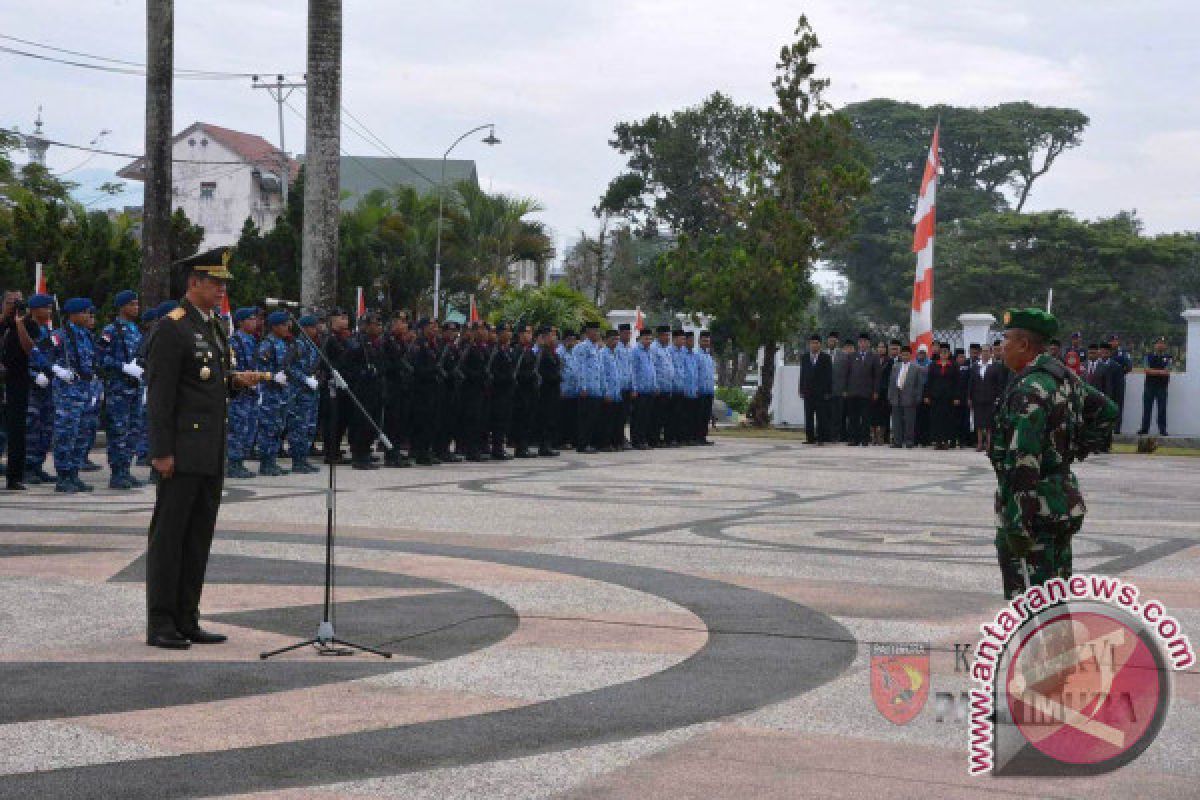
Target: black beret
624,326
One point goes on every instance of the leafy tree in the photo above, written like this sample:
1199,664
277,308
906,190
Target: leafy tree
800,191
554,304
185,237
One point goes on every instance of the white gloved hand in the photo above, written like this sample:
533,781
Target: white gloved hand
132,370
339,381
280,378
63,374
311,382
41,380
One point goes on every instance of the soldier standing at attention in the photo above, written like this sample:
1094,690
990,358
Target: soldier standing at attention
568,403
1158,378
472,363
1122,366
611,414
502,379
1041,421
423,356
243,407
91,411
398,388
590,376
645,386
664,374
120,343
188,379
301,412
39,417
524,415
549,369
365,377
273,357
624,353
74,367
706,387
449,408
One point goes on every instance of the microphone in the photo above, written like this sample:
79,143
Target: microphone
275,301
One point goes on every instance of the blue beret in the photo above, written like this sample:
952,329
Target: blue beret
166,307
124,297
277,318
77,305
149,315
243,314
308,321
41,301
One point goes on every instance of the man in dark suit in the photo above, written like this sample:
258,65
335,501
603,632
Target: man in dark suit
862,387
816,387
982,394
836,400
189,378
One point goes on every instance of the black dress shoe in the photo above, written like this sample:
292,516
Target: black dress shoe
201,636
15,486
170,640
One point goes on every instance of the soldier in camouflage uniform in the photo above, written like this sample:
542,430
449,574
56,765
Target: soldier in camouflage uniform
1046,419
301,410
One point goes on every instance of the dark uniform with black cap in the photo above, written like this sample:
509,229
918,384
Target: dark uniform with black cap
189,376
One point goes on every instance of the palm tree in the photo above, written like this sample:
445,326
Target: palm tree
492,233
319,252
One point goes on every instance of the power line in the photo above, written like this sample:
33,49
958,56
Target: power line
126,68
355,159
103,152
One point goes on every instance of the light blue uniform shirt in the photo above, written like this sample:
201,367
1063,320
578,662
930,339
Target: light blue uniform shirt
612,374
570,380
589,373
664,371
644,379
624,354
706,379
684,382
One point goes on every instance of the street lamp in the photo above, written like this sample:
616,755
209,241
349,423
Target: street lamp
491,141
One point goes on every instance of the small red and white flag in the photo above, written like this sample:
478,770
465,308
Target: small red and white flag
638,322
39,279
360,303
225,312
474,311
921,324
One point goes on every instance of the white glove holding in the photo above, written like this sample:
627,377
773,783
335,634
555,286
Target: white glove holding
132,370
311,382
280,378
41,380
63,374
339,381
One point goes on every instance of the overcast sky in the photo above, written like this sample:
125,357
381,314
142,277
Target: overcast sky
556,75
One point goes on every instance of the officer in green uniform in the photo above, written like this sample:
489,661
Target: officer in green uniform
189,377
1046,419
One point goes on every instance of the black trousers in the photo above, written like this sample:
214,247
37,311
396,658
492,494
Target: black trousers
626,413
816,419
858,420
547,415
500,416
641,424
524,417
181,534
471,421
396,415
675,415
662,413
1150,396
589,421
424,420
448,418
568,421
943,427
837,430
335,422
614,427
704,403
16,402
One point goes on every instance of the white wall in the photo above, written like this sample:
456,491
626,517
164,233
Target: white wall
235,197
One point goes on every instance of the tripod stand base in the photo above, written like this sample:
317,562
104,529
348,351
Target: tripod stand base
327,645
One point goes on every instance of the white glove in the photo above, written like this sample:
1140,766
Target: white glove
63,374
311,382
339,381
132,370
41,380
280,378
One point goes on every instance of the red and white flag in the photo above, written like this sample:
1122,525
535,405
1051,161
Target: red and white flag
474,311
921,324
638,322
39,279
360,303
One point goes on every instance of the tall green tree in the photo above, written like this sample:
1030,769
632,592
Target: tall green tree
800,191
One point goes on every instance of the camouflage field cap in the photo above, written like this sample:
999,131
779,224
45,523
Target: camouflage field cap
1040,322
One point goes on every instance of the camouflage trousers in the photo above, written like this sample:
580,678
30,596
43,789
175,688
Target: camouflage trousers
270,421
243,425
141,437
300,417
70,433
39,427
91,420
122,406
1050,556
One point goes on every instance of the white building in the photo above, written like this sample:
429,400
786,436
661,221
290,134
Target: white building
220,177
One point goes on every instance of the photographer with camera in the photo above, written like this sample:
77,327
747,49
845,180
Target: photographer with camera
17,333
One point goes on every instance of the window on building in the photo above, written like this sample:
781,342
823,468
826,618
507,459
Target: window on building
207,190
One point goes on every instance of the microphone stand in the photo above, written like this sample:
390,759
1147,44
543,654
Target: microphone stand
326,641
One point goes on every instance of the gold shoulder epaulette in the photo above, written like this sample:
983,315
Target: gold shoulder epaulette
177,314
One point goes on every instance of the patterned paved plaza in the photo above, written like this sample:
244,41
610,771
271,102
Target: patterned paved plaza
688,623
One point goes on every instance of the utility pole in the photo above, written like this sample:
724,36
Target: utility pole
276,90
156,224
322,165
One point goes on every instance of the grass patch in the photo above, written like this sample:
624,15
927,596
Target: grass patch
1131,450
738,432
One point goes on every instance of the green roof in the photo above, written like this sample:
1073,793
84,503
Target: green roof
361,175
